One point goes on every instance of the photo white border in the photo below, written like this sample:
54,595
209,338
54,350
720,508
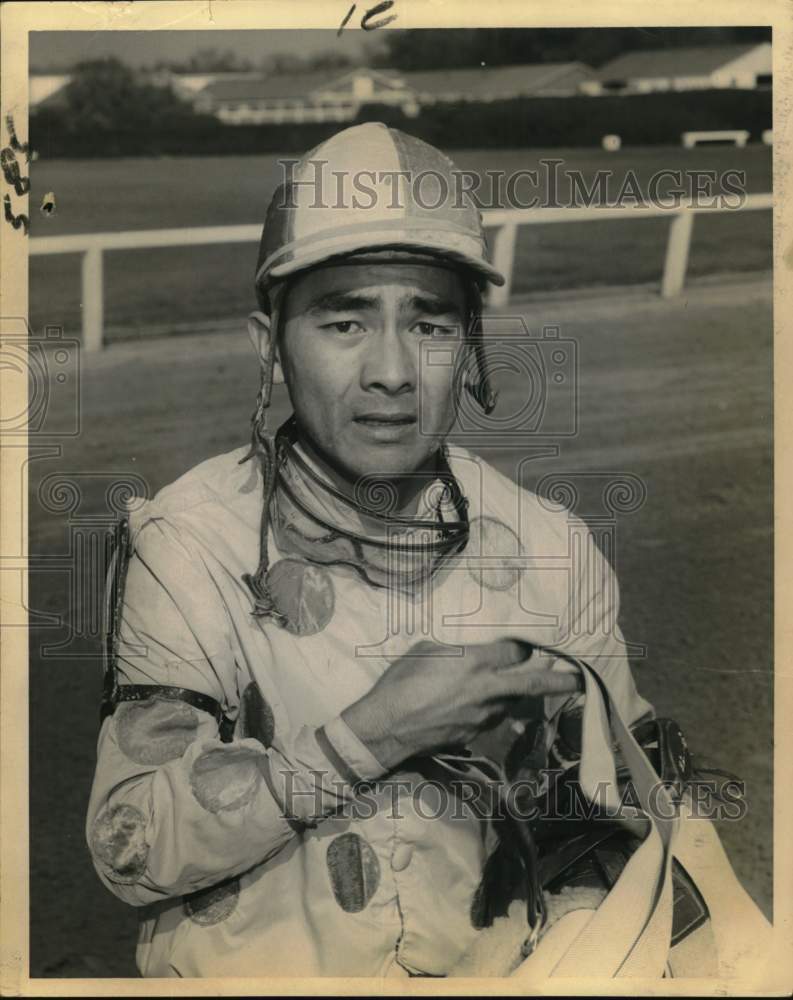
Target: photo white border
17,19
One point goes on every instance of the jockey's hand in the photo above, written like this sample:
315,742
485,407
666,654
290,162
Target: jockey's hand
429,699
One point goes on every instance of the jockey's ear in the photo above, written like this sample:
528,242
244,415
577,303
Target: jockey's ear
260,333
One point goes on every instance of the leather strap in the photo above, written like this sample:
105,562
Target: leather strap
203,702
553,865
115,582
142,692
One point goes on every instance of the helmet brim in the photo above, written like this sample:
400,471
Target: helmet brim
423,243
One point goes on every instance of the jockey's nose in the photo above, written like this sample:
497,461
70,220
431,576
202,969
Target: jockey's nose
392,357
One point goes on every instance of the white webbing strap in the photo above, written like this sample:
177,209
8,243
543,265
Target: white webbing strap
743,936
629,934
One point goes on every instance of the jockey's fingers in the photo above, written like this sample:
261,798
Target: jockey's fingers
531,679
502,654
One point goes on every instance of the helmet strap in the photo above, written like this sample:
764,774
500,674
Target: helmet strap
263,447
480,389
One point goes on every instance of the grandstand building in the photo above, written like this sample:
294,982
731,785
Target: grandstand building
314,98
745,67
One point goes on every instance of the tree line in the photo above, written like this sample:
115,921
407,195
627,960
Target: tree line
455,48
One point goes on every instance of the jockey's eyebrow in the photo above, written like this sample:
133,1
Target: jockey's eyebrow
428,304
344,302
433,305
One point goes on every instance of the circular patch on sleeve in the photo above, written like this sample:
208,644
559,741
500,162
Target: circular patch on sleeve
213,905
156,730
118,840
490,544
256,717
354,871
303,593
226,779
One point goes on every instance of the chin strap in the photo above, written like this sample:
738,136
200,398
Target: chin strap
479,389
263,448
264,606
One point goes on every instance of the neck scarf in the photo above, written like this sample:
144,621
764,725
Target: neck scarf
312,518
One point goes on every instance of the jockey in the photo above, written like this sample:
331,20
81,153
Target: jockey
315,637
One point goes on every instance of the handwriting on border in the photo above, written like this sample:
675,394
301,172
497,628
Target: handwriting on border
367,22
13,175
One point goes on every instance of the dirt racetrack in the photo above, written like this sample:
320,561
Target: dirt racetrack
678,394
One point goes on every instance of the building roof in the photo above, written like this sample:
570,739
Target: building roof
194,83
388,78
42,87
255,87
283,85
478,82
654,63
497,81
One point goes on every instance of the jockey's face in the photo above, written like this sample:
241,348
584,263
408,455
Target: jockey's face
368,353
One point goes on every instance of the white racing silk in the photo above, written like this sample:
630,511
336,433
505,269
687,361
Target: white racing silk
351,882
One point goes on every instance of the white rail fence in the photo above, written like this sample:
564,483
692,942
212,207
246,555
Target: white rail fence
92,246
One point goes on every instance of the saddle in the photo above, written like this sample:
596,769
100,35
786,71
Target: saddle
554,838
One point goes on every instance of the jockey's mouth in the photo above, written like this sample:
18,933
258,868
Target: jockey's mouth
384,426
385,419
